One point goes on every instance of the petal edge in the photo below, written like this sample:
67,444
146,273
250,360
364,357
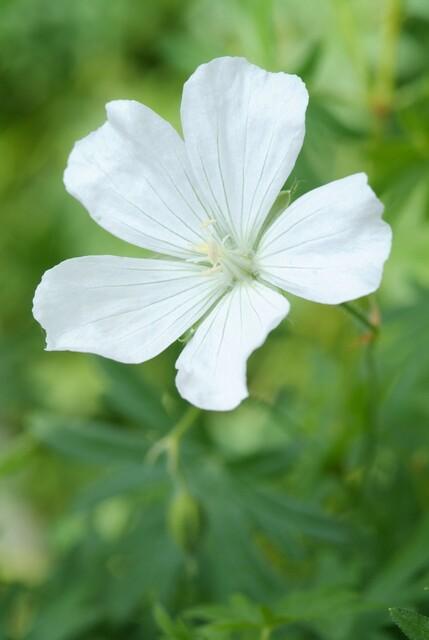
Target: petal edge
243,129
329,245
212,366
126,309
131,174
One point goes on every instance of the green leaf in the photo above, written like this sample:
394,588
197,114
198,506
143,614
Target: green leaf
65,617
149,564
392,580
130,479
280,513
133,397
414,625
17,456
163,620
239,614
171,630
322,603
89,441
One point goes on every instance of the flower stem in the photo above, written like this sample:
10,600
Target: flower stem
372,411
349,31
385,76
175,436
186,422
370,432
170,444
265,633
362,318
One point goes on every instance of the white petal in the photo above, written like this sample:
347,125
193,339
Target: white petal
329,245
212,367
122,308
243,130
132,176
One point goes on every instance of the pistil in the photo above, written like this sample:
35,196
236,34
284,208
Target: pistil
234,262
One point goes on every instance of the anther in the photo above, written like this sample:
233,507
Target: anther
208,223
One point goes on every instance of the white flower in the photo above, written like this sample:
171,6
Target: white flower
203,203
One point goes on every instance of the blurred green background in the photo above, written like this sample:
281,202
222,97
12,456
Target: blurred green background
303,514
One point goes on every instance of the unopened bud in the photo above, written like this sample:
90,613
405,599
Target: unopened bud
185,520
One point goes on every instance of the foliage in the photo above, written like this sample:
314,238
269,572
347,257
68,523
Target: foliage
414,625
304,513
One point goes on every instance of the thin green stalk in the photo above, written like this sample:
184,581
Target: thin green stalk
185,423
370,444
361,317
265,633
349,31
187,420
170,444
385,77
371,428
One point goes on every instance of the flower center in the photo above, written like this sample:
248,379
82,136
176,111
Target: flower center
224,256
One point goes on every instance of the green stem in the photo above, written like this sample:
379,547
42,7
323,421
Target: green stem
370,443
265,633
361,317
371,431
170,444
175,436
348,27
385,80
186,422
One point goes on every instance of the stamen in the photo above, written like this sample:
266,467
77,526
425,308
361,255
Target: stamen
214,252
235,263
201,248
207,223
215,269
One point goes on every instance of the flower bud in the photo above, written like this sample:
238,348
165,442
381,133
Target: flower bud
185,520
